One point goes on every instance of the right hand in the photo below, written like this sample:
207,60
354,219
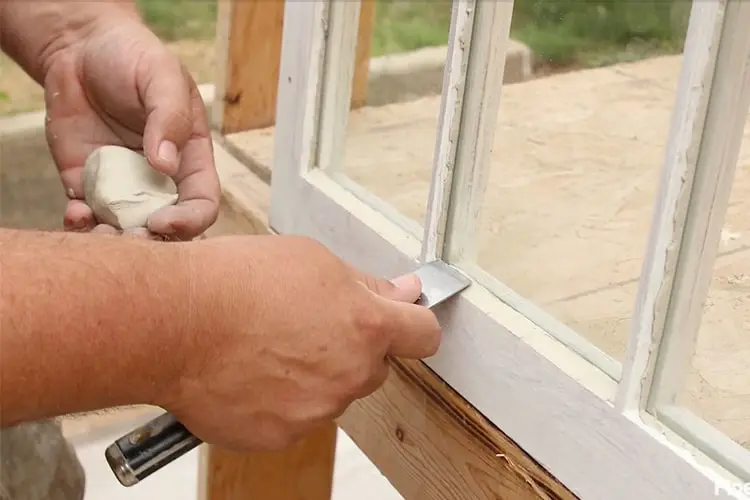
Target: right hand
292,336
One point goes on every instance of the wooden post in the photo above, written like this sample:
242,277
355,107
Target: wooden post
248,55
362,61
302,472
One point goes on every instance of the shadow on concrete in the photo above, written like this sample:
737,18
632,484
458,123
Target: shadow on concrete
31,195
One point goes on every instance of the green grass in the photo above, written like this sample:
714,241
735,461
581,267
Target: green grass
560,32
594,33
180,19
408,25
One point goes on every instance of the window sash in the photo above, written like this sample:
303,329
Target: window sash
701,157
306,200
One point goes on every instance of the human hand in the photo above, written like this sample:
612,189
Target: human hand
291,336
119,85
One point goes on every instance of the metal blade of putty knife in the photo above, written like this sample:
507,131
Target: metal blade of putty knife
440,282
145,450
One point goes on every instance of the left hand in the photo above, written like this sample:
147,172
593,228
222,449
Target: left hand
119,85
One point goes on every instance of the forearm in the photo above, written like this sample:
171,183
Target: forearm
32,32
88,321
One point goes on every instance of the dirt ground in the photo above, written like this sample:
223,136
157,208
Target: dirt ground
568,206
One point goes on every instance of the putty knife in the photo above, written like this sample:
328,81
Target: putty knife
145,450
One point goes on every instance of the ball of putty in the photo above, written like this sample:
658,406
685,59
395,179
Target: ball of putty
122,189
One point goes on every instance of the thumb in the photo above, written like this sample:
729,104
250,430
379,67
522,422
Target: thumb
165,91
406,288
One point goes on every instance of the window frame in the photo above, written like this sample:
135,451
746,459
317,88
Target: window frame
496,352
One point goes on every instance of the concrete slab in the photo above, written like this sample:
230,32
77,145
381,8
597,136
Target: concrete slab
403,77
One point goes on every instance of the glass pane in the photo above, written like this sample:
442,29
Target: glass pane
717,388
576,164
390,142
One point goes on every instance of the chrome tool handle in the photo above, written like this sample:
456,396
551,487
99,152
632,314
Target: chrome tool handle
145,450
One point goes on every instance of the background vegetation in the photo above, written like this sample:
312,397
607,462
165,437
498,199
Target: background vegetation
564,34
560,32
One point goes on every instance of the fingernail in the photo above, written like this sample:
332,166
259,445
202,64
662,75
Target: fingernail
168,152
75,225
405,281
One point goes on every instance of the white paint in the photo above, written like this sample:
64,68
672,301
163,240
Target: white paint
707,129
484,83
341,28
497,360
300,76
548,399
571,339
479,41
123,189
688,117
715,166
449,123
717,446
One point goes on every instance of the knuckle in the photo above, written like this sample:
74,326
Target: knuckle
369,321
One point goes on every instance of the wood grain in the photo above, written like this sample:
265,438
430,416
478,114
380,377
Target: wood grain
362,61
304,471
249,38
252,64
431,444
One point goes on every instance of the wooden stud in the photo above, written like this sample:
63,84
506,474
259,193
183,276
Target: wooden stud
304,471
362,61
249,54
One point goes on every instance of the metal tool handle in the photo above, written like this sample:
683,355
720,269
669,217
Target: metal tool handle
145,450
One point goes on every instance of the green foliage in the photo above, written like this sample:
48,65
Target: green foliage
560,32
179,19
408,25
595,32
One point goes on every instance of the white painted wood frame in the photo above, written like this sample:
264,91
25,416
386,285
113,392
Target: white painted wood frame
566,412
